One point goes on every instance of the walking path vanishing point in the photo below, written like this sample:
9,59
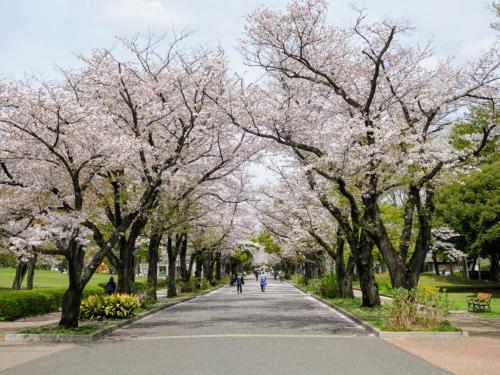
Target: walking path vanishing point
281,331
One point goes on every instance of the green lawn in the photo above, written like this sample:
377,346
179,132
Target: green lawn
458,289
49,279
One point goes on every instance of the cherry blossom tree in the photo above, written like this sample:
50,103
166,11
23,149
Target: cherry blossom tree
52,146
293,213
364,114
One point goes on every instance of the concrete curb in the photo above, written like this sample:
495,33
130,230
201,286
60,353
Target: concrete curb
386,334
84,339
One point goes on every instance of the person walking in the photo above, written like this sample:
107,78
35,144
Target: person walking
256,273
263,281
240,281
111,286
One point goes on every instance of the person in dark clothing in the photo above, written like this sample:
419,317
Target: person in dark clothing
233,280
239,283
111,286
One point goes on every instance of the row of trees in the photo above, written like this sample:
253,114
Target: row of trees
123,150
149,142
363,120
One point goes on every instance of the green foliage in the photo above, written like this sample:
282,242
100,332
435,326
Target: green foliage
423,307
265,239
297,279
472,208
7,260
327,286
21,303
114,306
188,286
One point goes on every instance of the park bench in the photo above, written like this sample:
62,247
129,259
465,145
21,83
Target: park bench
480,303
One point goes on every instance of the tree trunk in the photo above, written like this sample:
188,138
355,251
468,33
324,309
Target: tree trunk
172,258
436,264
190,268
126,267
494,268
344,273
21,269
31,272
466,268
182,258
364,264
154,245
199,266
73,295
218,266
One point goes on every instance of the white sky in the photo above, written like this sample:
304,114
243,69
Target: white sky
37,34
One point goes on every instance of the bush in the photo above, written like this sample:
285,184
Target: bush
327,286
297,279
114,306
188,286
423,307
22,303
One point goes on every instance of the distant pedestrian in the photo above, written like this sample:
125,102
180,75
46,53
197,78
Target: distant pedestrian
256,273
240,281
111,286
263,281
281,275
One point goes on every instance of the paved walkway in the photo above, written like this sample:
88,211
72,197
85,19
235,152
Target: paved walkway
281,331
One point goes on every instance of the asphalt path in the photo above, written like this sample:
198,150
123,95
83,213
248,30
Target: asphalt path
280,331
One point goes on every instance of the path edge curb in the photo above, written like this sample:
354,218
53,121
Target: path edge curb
385,334
84,339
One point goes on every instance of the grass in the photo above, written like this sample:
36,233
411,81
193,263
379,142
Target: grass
458,289
52,329
50,279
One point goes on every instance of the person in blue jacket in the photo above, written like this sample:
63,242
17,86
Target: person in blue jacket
263,281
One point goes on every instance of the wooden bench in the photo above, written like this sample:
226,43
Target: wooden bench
480,303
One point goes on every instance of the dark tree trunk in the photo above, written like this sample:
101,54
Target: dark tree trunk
190,268
21,269
436,264
404,268
73,296
172,258
182,258
208,269
218,266
199,265
31,272
154,245
126,268
344,273
494,268
364,264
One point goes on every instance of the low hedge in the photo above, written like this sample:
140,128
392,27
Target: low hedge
22,303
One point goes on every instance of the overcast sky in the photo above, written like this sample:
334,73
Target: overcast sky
37,34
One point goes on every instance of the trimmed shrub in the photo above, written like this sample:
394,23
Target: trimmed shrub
22,303
114,306
423,307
